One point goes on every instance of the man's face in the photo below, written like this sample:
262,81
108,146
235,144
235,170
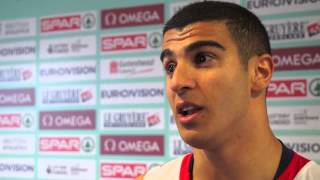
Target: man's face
207,86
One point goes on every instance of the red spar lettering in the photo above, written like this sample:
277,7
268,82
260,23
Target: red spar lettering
121,170
60,144
118,43
10,121
61,23
287,88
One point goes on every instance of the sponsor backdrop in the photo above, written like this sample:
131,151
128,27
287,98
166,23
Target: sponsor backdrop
82,93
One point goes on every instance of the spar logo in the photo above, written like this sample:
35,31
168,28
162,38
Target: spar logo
130,42
287,88
63,144
66,144
61,120
122,170
302,58
68,96
135,118
314,87
295,88
73,22
132,145
126,42
16,120
10,121
132,16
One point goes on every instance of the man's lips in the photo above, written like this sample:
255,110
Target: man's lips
187,111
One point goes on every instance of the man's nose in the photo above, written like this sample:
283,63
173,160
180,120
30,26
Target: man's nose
182,79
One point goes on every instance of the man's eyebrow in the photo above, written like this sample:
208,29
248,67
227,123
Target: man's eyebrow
164,53
199,44
192,47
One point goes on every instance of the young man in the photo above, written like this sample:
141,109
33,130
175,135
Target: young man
218,66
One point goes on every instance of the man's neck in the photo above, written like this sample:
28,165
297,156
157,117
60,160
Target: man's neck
242,158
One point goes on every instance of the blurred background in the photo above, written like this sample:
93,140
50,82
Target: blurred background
82,87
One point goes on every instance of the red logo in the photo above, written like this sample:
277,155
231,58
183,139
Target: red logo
60,144
61,23
86,96
314,29
113,67
287,88
132,145
153,119
17,97
126,42
27,74
303,58
132,16
122,170
10,120
68,120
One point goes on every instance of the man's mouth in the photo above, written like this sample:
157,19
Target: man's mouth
187,109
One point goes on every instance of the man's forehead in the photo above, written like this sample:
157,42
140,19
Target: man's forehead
206,28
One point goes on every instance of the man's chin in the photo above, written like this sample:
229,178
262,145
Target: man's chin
195,140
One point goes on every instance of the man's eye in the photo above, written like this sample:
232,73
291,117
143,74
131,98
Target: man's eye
201,58
170,67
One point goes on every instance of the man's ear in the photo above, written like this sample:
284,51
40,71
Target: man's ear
261,69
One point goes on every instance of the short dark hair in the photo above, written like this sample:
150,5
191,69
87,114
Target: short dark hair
246,29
